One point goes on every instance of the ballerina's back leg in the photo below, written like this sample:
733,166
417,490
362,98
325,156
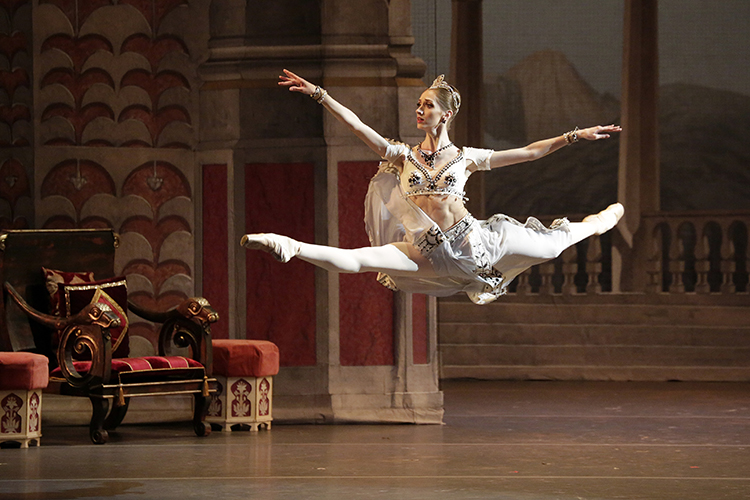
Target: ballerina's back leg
395,259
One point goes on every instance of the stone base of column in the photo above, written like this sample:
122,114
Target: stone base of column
356,399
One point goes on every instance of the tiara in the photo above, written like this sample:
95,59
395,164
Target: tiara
440,83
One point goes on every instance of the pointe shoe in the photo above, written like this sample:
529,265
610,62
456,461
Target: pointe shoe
281,247
607,218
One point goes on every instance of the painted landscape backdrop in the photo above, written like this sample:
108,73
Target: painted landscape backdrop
704,134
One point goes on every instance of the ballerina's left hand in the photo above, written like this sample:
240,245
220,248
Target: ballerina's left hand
296,83
598,132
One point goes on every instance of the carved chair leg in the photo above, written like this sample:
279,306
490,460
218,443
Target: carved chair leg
116,415
201,408
96,427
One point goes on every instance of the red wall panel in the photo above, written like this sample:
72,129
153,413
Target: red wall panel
366,307
215,246
419,329
279,198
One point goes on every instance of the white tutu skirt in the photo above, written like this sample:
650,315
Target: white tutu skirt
479,258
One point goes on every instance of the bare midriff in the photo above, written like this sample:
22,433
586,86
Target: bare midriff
445,210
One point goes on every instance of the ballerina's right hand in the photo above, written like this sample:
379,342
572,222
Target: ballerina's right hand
296,83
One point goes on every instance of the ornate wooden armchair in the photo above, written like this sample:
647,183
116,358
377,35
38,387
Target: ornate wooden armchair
86,359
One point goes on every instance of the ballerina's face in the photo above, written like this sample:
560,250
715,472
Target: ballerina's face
429,112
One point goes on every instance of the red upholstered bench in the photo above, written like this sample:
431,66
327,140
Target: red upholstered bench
245,370
23,375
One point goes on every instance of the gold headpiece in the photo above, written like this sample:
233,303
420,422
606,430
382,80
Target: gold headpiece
440,83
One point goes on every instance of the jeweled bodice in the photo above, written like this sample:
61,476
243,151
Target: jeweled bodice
417,179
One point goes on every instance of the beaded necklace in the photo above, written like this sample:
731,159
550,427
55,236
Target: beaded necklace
432,181
429,158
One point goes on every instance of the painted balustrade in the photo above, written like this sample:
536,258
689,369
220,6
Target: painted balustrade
697,252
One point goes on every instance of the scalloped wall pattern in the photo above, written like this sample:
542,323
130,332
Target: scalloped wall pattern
79,73
117,102
16,133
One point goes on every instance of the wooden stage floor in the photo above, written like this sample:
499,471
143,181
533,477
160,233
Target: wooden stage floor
501,440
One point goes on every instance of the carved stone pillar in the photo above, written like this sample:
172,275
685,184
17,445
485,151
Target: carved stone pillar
350,349
638,183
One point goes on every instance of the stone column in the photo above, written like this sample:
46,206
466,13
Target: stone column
638,183
346,343
468,76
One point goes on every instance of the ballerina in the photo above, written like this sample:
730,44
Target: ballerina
423,239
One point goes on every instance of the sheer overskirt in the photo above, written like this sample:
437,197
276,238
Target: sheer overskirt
479,258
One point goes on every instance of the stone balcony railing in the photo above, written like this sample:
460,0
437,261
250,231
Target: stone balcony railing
698,252
690,252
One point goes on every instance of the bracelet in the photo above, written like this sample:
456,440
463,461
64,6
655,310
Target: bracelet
319,95
572,136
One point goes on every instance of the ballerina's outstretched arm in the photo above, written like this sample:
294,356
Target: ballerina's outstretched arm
370,137
542,148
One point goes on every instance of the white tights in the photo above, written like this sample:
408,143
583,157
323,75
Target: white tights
403,259
386,259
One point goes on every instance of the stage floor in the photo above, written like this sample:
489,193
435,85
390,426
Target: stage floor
501,440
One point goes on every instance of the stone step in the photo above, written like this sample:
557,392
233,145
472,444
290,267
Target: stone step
592,334
602,314
586,355
624,298
600,372
597,337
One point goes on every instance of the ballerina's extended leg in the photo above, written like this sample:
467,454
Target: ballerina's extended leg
606,219
386,259
281,247
524,246
596,223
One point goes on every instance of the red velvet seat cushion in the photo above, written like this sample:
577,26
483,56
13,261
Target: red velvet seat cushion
23,370
245,358
145,365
